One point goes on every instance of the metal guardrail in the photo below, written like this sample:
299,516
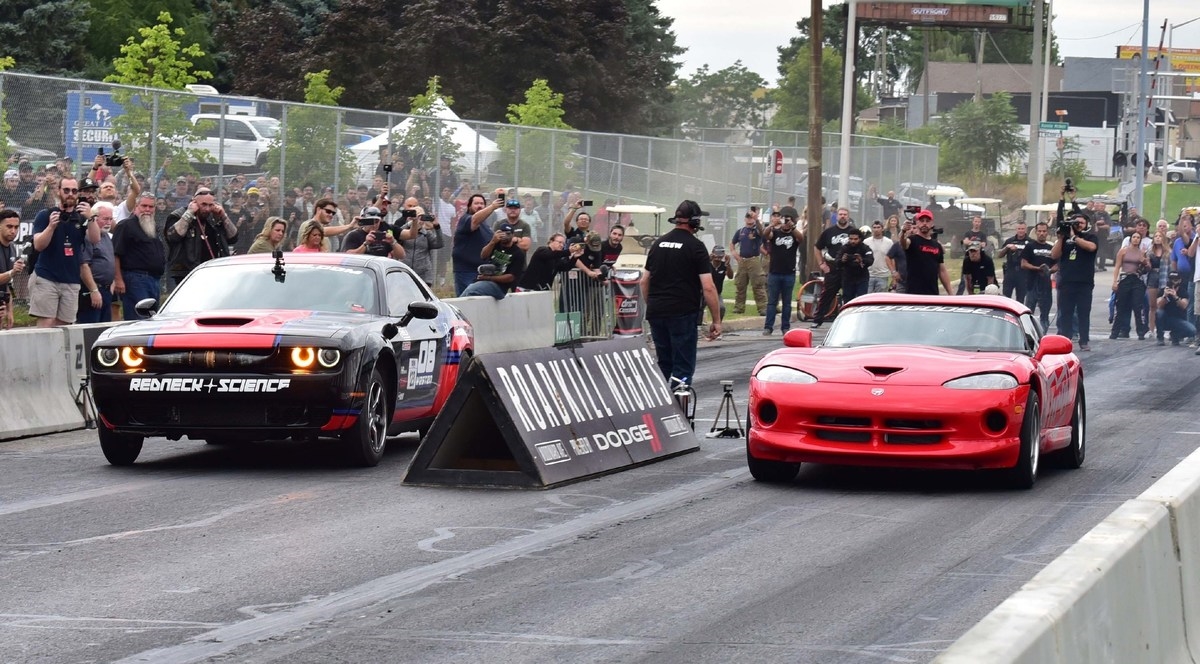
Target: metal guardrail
576,292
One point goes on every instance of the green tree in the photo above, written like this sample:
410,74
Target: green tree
981,135
791,97
312,137
159,60
5,64
112,22
538,150
44,35
424,138
724,98
262,45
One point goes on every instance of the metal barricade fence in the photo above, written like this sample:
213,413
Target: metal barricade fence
574,291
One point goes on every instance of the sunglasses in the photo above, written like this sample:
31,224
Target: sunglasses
65,190
329,210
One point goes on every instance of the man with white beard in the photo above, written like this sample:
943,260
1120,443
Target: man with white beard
141,258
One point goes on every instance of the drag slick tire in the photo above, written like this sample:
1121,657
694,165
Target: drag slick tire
1072,456
1024,474
121,449
366,441
774,472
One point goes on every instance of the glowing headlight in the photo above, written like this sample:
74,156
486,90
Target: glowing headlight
329,357
108,357
774,373
132,357
304,357
987,381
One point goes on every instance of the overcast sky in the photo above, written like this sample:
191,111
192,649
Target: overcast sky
719,32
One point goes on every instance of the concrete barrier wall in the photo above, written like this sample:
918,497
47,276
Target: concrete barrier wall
520,321
37,393
1129,591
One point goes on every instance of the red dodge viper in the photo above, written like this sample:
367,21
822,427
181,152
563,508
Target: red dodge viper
912,381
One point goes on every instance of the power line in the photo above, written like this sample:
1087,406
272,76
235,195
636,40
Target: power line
1131,25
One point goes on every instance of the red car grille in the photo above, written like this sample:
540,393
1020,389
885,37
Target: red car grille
895,431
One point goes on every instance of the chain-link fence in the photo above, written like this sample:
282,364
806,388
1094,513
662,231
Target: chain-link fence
283,148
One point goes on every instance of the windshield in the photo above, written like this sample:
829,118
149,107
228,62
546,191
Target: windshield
268,128
331,288
959,327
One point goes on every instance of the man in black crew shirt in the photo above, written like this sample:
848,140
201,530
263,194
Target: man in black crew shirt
828,247
1036,264
1075,251
783,240
678,277
925,256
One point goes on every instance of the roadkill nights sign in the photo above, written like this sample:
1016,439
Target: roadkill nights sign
567,413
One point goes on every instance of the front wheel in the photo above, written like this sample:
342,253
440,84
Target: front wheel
367,439
773,472
1024,474
1175,177
121,449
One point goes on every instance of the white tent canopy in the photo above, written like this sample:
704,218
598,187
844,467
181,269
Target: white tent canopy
477,150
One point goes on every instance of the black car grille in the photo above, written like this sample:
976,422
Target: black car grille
894,431
191,416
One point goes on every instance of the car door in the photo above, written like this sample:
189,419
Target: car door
420,347
1058,376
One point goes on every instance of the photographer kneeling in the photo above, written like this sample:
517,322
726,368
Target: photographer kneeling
504,262
1172,313
373,236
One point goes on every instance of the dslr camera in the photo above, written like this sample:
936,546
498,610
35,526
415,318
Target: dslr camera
1068,187
486,270
114,160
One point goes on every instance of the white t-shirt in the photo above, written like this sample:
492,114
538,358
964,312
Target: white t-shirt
880,248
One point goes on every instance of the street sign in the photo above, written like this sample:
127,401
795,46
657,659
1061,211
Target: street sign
1053,126
777,157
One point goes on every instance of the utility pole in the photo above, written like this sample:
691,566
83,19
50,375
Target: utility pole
848,89
1034,183
815,137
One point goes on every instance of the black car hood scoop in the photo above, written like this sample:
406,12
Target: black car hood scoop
883,372
223,321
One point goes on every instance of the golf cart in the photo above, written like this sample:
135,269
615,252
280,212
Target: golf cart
627,271
952,212
637,241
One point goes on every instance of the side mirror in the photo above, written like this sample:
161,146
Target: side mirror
1053,344
422,310
798,339
146,308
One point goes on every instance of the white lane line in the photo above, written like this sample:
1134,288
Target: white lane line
1189,433
226,639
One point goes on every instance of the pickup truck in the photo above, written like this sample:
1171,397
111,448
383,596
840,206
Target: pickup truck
247,139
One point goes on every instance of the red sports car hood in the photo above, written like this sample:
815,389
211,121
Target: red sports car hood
896,365
237,328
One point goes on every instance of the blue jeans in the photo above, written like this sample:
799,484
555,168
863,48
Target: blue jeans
138,286
853,289
675,346
780,285
1179,328
482,288
462,280
89,315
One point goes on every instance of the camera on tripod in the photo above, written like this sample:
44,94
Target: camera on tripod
114,160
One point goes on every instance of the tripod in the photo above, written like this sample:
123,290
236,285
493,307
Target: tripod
87,406
729,410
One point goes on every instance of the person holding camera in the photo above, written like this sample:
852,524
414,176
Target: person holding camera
827,249
373,236
11,264
419,249
122,209
58,237
197,233
783,240
471,234
1037,266
855,259
1075,250
548,261
502,266
581,219
1172,312
522,231
925,256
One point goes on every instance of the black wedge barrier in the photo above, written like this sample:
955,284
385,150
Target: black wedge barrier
543,417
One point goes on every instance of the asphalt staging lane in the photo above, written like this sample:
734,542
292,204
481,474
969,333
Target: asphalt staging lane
273,553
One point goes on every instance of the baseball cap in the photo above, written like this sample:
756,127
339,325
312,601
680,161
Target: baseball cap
10,174
252,191
88,183
504,228
718,250
789,211
923,213
180,179
974,246
24,166
512,202
689,210
1173,275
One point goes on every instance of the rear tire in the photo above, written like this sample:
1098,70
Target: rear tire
1024,474
1175,177
772,472
121,449
366,441
1073,455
